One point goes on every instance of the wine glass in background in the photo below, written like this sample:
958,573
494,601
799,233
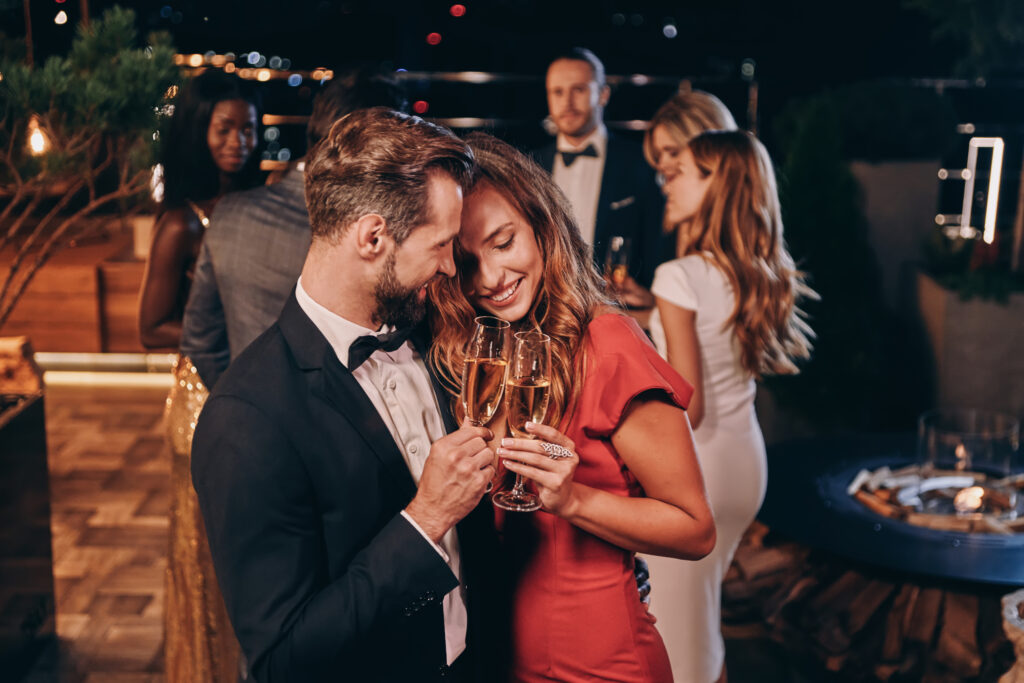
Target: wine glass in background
483,375
968,440
527,392
616,263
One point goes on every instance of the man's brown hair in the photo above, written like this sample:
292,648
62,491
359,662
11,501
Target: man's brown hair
379,161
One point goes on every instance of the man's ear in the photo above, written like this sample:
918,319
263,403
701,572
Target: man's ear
603,95
371,236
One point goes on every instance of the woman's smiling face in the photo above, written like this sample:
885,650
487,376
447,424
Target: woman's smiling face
505,265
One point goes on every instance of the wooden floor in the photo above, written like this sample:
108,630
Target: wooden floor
109,478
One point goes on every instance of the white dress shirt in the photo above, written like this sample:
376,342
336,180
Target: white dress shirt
398,385
581,182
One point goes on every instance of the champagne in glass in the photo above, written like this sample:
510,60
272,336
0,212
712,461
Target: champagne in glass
527,392
483,375
527,401
617,260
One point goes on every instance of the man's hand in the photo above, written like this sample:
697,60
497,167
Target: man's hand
455,477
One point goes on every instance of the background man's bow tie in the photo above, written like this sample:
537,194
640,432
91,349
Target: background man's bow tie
363,347
569,157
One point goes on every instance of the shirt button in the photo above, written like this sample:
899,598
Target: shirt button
392,384
414,449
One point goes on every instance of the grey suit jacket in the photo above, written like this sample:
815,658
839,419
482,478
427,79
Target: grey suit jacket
251,257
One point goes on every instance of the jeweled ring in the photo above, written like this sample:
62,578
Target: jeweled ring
554,451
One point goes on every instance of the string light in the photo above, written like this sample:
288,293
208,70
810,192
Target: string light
61,18
38,143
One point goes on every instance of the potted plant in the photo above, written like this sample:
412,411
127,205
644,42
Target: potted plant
76,141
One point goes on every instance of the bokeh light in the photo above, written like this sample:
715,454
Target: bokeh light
434,38
457,10
420,106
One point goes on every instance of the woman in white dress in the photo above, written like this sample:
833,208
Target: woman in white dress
726,315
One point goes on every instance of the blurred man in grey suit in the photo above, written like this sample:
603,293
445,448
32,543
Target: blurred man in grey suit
253,252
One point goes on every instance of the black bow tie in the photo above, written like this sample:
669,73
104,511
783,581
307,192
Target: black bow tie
363,347
569,157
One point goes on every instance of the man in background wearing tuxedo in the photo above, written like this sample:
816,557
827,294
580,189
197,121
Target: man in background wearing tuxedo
345,526
610,186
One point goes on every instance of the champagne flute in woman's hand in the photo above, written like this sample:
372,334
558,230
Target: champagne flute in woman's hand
526,400
483,376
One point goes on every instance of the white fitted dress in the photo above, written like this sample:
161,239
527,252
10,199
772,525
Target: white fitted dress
685,595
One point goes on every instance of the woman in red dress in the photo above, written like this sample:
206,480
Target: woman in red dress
631,482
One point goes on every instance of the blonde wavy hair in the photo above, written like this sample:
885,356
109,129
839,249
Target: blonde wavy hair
570,290
686,115
739,228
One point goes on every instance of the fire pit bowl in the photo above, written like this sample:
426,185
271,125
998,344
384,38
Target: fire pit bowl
808,500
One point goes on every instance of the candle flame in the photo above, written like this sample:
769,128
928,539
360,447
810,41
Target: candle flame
969,499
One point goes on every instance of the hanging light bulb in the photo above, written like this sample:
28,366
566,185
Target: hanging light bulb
38,143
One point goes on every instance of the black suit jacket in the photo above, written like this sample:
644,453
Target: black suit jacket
629,204
301,485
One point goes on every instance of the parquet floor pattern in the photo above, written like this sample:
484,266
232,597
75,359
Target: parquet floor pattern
110,490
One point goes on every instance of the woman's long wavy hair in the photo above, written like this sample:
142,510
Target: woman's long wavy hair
570,291
739,224
190,173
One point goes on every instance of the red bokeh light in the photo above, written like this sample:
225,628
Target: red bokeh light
457,10
420,106
434,38
60,2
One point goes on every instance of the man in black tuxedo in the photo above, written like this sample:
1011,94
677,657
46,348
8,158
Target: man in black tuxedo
328,480
606,179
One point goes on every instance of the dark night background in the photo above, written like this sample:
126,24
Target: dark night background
875,81
799,46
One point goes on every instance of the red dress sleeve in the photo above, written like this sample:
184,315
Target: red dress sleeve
622,364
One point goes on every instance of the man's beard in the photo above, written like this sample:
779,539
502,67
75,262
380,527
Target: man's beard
397,305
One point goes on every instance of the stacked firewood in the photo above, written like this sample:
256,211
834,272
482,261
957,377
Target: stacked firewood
859,623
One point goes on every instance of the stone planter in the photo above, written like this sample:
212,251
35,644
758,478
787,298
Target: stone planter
27,620
899,203
977,348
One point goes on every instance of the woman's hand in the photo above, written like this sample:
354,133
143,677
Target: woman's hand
552,476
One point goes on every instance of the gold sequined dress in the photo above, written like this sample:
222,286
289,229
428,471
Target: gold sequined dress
199,645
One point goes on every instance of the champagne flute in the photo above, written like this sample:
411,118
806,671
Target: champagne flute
527,391
617,260
483,375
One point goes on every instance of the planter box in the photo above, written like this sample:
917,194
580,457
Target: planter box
977,347
27,621
85,299
899,203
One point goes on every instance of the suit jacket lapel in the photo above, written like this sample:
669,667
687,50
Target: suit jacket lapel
333,382
420,339
610,186
545,156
